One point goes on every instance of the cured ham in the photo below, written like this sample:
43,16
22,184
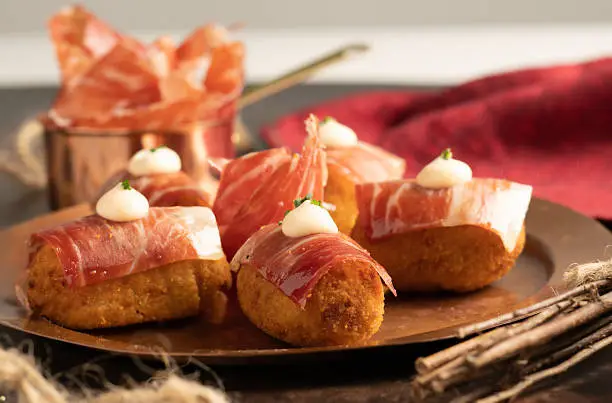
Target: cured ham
163,190
294,265
257,189
348,166
240,175
112,82
397,207
92,250
79,38
366,163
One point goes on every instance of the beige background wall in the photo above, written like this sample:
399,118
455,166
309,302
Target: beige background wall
30,15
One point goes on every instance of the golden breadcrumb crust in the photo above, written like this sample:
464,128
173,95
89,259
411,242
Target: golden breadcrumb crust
340,191
173,291
346,306
462,258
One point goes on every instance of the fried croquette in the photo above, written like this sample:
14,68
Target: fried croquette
346,306
340,191
177,290
463,258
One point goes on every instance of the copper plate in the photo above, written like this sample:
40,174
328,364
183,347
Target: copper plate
557,237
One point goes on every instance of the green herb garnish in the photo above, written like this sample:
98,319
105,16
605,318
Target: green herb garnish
157,148
328,119
298,202
447,154
126,185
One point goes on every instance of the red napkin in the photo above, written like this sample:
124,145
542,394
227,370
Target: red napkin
548,127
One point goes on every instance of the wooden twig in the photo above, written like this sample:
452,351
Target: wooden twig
547,373
560,331
570,338
425,365
530,310
581,343
460,375
544,333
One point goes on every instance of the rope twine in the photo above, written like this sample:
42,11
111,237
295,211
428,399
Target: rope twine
25,159
19,375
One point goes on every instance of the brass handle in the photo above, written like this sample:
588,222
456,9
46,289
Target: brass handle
300,74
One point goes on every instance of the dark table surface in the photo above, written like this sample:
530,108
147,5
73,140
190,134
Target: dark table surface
372,376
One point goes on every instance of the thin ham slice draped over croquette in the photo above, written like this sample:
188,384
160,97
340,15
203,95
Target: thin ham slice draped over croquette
294,265
398,207
163,190
92,249
366,163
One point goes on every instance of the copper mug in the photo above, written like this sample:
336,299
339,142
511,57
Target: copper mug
79,163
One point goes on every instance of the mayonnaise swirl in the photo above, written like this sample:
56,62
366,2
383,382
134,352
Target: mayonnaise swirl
160,160
444,171
308,219
334,134
122,203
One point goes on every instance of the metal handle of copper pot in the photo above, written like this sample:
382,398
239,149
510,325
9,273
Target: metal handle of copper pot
243,140
300,74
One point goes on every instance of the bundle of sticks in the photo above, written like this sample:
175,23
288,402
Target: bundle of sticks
526,346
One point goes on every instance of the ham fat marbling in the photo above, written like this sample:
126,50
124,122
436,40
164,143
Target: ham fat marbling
294,265
258,188
366,163
163,190
93,249
396,207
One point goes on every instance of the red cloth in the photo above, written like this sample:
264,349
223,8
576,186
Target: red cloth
548,127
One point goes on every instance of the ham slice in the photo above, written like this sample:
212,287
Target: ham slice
241,174
295,265
79,38
257,189
366,163
93,249
167,190
163,190
396,207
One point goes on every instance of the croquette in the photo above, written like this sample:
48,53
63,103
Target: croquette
177,290
340,191
346,306
462,258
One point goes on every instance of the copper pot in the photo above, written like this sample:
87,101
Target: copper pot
79,163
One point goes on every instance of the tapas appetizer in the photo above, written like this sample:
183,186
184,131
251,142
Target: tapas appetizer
256,189
304,282
443,230
156,173
351,162
128,264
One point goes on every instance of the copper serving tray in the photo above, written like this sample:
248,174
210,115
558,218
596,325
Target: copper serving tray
556,238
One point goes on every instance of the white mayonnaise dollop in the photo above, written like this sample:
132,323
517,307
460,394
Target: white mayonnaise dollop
308,219
444,171
122,203
335,134
160,160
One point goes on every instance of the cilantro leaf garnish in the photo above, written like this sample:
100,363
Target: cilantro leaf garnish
126,185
